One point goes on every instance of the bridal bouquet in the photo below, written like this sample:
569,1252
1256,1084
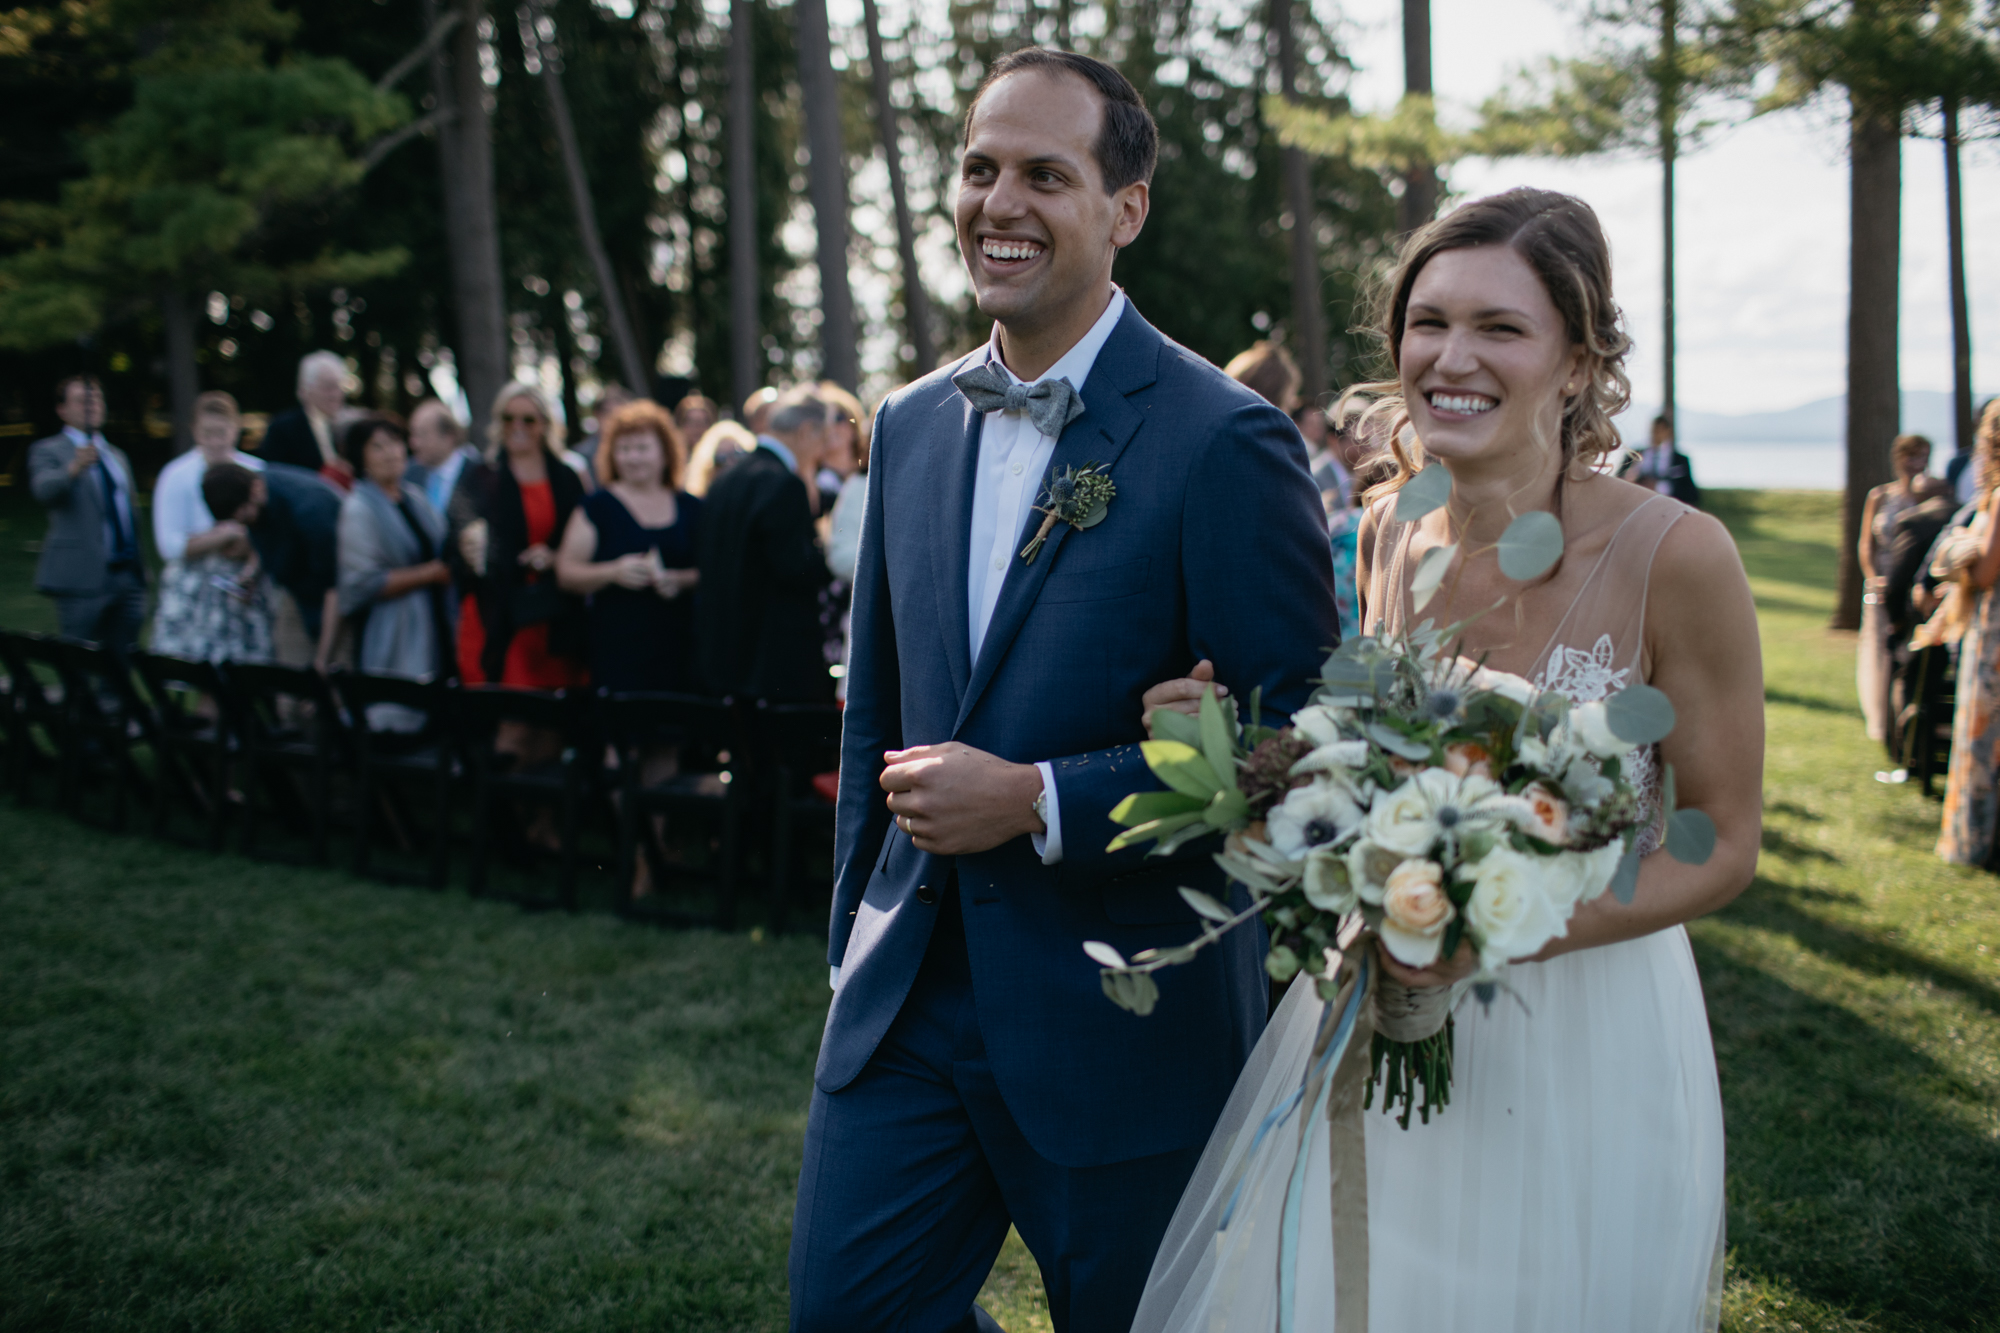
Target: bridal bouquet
1418,798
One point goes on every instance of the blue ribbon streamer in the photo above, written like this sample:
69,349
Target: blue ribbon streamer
1288,1233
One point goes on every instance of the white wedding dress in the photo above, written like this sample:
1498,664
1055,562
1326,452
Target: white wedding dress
1575,1182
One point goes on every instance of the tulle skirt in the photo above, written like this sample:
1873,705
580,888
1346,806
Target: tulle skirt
1574,1185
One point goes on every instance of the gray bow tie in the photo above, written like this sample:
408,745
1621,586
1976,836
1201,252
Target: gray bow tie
1051,405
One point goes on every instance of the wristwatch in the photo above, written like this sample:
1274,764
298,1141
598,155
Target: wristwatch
1042,806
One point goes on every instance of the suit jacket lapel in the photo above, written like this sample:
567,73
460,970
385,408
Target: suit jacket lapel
953,468
1128,363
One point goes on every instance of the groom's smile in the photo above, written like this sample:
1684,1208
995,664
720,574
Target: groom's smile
1037,228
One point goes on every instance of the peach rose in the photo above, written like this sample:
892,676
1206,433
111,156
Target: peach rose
1415,912
1468,758
1546,816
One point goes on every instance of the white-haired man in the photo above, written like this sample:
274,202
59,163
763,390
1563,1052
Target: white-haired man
307,436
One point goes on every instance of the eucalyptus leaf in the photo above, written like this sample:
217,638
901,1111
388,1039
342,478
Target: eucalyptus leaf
1625,879
1422,493
1103,953
1531,544
1206,905
1691,837
1639,715
1157,828
1169,725
1182,768
1396,743
1430,574
1146,806
1142,990
1093,518
1218,741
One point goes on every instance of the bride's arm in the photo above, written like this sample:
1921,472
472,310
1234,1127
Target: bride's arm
1701,627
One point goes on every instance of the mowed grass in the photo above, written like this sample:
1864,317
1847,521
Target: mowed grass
235,1096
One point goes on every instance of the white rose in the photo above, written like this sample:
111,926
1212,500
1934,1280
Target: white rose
1311,816
1591,725
1333,755
1402,820
1415,912
1521,690
1328,884
1598,868
1513,911
1317,723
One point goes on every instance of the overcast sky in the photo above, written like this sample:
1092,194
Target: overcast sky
1762,222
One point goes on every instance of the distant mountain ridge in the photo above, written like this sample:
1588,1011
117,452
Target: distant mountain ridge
1822,421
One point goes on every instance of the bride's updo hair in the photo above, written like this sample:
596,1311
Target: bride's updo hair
1560,238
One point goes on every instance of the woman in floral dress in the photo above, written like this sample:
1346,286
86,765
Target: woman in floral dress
1969,795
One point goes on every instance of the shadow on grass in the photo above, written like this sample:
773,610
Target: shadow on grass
1854,1175
1807,701
1793,808
1773,907
1779,843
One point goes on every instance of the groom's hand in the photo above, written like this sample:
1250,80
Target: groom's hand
954,800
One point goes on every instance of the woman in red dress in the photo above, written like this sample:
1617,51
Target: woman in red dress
515,625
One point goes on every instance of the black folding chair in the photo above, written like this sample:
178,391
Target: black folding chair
33,708
292,741
498,777
103,716
706,788
404,734
797,742
194,742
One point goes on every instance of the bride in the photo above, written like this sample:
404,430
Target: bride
1575,1182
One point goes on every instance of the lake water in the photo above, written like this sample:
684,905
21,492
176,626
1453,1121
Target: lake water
1764,466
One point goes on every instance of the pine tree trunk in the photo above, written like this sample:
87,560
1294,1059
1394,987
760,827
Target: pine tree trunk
826,179
916,303
1420,186
745,340
183,376
1670,112
1308,306
1874,406
633,365
472,227
1961,319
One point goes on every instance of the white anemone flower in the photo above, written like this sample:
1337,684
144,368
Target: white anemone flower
1316,815
1433,805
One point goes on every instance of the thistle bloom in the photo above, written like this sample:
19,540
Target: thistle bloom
1433,805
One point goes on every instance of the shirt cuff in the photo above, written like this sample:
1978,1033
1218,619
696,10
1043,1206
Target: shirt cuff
833,976
1049,845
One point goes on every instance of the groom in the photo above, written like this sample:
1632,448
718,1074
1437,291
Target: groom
972,1072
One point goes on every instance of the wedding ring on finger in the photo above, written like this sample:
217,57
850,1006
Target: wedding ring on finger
904,820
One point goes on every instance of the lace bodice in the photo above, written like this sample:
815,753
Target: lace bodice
1594,650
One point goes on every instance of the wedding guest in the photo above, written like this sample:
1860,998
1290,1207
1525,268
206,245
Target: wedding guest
392,575
757,626
516,626
90,561
1326,457
843,540
630,548
1911,457
1269,370
1972,792
183,527
1962,473
215,602
843,445
757,410
720,447
439,453
1664,469
296,536
609,399
308,436
694,414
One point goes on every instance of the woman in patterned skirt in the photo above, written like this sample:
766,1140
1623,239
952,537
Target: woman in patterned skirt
1969,796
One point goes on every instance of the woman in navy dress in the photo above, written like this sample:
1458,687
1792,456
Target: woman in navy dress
630,548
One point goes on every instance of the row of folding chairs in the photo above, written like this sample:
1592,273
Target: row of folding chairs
237,746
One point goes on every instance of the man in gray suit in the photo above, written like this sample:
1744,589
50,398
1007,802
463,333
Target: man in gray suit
90,558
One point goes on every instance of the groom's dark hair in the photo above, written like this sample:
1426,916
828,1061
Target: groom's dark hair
1128,143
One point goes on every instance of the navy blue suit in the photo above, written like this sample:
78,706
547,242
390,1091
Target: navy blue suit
972,1070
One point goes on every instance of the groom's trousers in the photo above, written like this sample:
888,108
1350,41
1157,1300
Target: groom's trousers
913,1171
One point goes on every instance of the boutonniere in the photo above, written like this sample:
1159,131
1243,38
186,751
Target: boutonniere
1078,496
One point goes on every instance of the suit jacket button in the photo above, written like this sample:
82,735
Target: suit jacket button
926,894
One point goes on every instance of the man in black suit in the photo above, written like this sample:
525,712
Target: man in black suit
1665,469
306,435
757,624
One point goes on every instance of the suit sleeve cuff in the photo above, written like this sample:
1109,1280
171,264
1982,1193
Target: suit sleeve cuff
1049,845
833,975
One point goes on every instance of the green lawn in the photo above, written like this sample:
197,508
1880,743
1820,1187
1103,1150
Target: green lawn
243,1097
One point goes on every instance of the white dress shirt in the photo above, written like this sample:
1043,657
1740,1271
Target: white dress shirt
179,512
1013,463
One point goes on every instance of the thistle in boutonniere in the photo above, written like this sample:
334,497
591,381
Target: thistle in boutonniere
1078,496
